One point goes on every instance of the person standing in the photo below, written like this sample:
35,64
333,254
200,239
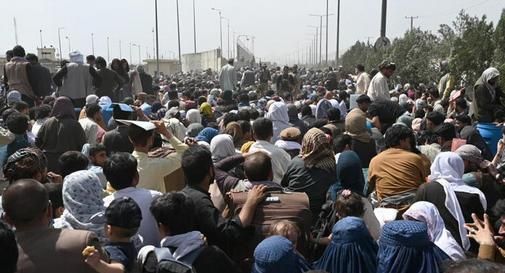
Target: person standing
362,79
228,76
40,77
248,78
76,79
485,98
17,73
111,81
446,83
146,80
264,77
379,89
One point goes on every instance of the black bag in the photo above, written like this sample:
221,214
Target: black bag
159,260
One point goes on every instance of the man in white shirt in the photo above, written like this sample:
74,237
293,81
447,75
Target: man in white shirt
152,171
379,89
90,123
121,172
228,76
263,132
362,79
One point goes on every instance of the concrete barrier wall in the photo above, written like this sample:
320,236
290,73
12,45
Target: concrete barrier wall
202,61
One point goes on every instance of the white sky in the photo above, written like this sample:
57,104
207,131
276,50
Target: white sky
280,26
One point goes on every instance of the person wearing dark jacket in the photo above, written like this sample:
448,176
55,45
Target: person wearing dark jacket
110,80
199,172
294,120
146,80
40,77
486,96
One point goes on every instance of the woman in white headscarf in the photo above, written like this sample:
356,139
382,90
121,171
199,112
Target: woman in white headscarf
84,207
485,100
221,146
426,212
447,191
193,116
278,114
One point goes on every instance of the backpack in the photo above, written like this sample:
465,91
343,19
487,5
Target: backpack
160,260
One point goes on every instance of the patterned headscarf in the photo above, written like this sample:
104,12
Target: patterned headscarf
82,199
316,151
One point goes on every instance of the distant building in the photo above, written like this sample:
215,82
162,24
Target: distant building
47,58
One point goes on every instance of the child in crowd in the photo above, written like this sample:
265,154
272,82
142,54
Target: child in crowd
17,123
287,229
123,220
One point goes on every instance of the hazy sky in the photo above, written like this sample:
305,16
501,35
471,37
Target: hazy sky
280,26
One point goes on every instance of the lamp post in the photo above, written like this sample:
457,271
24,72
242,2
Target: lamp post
338,33
157,41
321,34
41,44
220,29
316,43
179,35
131,59
59,41
92,44
120,50
139,47
108,50
228,39
194,26
69,47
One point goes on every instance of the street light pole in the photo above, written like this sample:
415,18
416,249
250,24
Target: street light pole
220,29
130,60
120,50
59,42
338,33
327,16
179,35
69,47
194,26
41,44
108,50
157,41
92,44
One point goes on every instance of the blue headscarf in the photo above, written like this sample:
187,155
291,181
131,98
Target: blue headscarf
404,247
276,254
349,174
352,249
207,134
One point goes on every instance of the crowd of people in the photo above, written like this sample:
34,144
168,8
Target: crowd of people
109,169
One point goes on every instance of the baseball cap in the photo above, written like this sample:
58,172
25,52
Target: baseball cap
123,212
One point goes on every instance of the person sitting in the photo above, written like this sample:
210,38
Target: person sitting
352,249
121,172
396,173
313,171
356,127
42,248
453,198
426,212
405,247
123,220
176,222
17,123
152,171
263,132
290,141
276,254
199,172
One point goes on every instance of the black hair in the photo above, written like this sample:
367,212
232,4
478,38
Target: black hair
396,133
90,58
92,109
18,51
196,162
474,266
341,141
306,110
101,61
244,114
230,117
21,106
72,161
446,131
96,148
499,208
463,119
360,67
263,129
28,194
427,137
139,136
461,102
120,169
173,103
253,114
32,58
435,117
17,123
117,113
351,205
245,126
55,191
333,114
257,167
175,211
419,113
43,111
9,251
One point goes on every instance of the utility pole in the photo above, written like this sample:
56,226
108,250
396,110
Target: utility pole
108,50
411,21
131,59
15,31
220,29
179,35
383,17
59,42
194,26
337,55
327,15
157,41
120,50
321,34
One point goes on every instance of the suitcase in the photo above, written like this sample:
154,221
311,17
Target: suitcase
292,206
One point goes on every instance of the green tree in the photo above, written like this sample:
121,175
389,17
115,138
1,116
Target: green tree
473,47
499,54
